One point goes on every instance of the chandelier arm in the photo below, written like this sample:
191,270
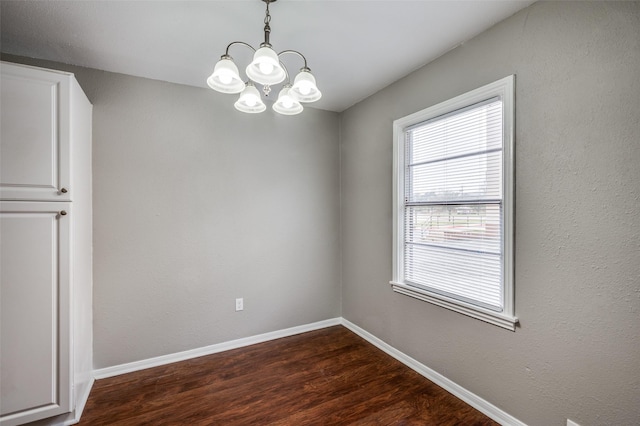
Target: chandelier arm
226,53
286,72
306,68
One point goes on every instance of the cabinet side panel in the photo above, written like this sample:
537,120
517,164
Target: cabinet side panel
82,245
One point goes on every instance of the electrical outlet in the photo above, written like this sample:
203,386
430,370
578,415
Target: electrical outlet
239,304
572,423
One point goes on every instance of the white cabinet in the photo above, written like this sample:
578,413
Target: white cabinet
45,247
35,134
35,311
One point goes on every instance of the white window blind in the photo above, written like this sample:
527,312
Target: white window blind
453,204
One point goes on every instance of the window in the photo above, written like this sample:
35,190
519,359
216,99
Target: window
453,204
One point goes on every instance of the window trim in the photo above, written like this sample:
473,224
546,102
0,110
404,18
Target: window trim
504,88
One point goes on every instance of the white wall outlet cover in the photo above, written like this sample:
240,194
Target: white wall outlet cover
239,304
572,423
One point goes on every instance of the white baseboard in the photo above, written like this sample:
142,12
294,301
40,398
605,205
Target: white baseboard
470,398
212,349
80,404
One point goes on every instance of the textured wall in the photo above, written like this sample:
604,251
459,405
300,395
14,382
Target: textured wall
577,352
196,204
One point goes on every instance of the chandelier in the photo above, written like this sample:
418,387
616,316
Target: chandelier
265,69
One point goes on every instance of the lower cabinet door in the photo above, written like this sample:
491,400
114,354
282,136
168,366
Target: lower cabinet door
35,311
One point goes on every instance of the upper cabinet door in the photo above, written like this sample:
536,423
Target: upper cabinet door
35,134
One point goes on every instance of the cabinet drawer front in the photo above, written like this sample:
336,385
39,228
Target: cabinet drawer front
34,154
34,315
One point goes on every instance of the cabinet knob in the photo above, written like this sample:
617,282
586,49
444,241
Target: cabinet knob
63,190
63,213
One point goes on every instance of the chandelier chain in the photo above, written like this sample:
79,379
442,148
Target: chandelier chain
267,27
267,17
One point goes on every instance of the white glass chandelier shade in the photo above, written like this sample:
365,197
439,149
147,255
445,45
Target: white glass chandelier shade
287,103
265,67
250,100
225,77
304,87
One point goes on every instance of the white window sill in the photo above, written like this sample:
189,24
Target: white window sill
495,318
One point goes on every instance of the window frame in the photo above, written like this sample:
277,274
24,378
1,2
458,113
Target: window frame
503,88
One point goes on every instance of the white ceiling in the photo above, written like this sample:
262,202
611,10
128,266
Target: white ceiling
353,47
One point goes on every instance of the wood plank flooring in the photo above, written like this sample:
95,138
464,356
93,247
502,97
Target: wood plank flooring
324,377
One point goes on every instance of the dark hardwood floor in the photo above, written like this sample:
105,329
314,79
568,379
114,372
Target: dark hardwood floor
324,377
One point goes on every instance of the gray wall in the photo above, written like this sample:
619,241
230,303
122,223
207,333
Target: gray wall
577,351
196,204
